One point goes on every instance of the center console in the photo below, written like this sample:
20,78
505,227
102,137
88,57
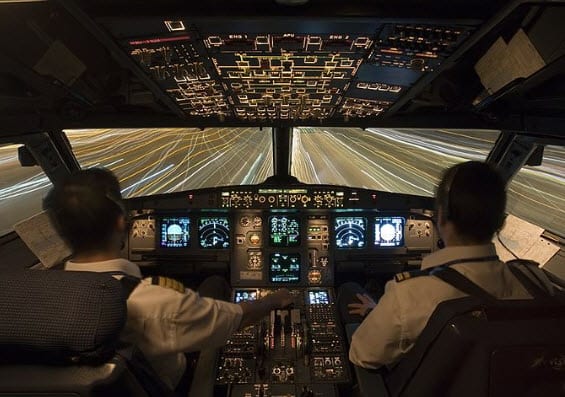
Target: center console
297,351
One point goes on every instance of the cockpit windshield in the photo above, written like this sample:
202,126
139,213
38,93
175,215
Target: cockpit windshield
391,160
152,161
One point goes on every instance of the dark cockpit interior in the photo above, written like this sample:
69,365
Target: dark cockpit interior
284,143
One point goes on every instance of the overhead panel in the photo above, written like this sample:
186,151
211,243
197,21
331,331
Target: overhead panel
262,75
287,76
179,69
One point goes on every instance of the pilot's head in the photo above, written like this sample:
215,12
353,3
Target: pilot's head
470,201
87,210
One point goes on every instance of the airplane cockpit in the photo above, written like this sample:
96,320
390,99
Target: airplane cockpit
282,144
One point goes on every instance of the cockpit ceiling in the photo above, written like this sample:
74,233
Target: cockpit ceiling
96,63
261,72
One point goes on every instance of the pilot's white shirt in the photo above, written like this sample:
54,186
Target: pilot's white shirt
392,327
164,322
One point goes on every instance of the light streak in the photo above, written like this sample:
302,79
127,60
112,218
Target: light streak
146,179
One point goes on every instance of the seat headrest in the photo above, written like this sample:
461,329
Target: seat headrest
60,317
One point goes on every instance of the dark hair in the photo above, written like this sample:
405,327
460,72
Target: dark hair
85,207
472,195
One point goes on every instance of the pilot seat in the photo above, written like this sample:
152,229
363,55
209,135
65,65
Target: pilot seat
59,336
478,346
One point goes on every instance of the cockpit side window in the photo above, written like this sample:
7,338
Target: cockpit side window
21,189
537,194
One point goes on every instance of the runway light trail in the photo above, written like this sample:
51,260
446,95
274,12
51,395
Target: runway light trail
145,179
30,185
152,161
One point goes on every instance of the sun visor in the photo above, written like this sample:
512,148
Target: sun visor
505,62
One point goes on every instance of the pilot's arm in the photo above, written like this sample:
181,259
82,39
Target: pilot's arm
180,320
255,310
166,320
379,339
208,323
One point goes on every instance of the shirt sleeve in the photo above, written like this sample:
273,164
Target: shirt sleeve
164,321
204,322
377,341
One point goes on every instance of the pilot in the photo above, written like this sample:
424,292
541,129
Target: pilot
164,319
471,201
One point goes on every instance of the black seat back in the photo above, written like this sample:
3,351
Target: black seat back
60,317
470,348
59,332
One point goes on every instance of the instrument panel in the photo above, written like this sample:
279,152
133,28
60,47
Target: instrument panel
214,232
350,232
296,236
283,198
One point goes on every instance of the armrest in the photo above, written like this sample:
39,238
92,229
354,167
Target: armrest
204,374
369,382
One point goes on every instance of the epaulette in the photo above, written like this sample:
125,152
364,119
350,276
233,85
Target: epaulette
399,277
166,282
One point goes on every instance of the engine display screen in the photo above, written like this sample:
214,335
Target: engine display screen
175,232
214,232
245,295
318,297
284,231
389,231
284,268
350,232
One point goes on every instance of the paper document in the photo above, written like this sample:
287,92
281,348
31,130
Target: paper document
43,240
524,239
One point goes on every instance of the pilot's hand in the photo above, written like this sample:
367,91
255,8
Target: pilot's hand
282,297
364,307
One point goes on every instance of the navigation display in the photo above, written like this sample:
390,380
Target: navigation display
174,232
318,297
244,295
350,232
389,231
284,268
284,231
214,232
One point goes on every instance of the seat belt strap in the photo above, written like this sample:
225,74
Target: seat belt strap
462,283
535,280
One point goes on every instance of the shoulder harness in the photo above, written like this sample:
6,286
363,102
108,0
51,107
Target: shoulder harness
399,277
